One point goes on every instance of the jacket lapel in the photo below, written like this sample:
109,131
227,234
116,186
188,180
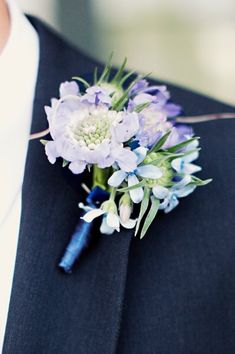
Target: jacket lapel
51,312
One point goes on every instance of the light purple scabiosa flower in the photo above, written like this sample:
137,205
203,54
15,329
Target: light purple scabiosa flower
153,124
158,95
132,177
86,134
170,196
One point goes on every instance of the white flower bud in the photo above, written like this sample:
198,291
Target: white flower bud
125,208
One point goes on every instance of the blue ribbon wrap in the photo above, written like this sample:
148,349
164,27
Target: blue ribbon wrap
82,237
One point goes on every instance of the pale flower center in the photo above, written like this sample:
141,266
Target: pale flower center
90,129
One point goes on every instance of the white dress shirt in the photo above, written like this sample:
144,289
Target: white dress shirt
18,74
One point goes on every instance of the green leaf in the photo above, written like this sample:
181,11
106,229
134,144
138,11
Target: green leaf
183,144
160,142
141,106
125,77
143,208
44,142
65,163
150,217
122,100
119,73
127,189
106,70
199,182
83,81
172,157
104,75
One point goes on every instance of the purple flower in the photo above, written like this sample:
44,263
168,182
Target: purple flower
97,95
157,95
153,124
90,135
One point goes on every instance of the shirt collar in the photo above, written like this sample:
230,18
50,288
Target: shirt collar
18,69
18,75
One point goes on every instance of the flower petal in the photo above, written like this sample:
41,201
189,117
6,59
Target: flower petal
77,167
113,221
173,202
160,192
85,207
181,165
185,191
91,215
149,171
178,165
172,109
130,224
191,157
117,178
142,98
190,168
69,88
51,151
105,228
127,128
186,180
141,153
125,158
164,204
136,194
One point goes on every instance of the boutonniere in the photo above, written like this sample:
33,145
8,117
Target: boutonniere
126,133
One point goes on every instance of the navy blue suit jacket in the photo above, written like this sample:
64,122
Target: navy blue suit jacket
171,293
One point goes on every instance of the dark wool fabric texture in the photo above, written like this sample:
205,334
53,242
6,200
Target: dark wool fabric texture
171,293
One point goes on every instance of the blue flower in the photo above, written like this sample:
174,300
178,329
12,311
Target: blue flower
184,165
143,171
170,197
110,218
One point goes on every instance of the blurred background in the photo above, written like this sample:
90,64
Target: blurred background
190,43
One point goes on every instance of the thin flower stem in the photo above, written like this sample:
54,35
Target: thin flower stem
86,189
205,118
100,177
39,135
113,192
